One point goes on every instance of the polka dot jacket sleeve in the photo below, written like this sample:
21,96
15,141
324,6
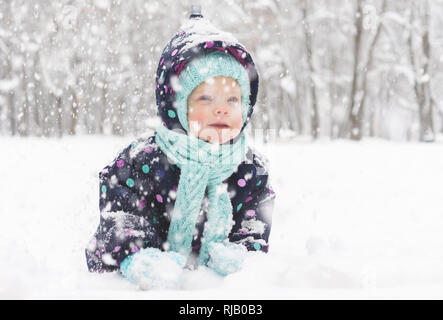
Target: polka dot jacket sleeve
252,222
125,221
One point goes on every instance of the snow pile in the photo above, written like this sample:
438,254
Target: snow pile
350,221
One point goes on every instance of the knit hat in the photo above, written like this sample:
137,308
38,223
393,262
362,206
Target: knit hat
216,63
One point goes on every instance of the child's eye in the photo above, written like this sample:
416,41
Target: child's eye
205,98
232,99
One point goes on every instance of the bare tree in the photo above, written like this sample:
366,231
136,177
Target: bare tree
315,119
355,99
420,67
368,66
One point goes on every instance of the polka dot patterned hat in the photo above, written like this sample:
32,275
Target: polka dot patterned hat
200,39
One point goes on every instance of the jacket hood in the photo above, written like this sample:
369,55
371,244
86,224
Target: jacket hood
196,37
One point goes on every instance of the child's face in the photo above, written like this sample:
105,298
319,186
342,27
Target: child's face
215,110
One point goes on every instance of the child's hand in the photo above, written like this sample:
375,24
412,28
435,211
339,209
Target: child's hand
226,257
151,268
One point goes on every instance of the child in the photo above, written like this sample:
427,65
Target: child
194,193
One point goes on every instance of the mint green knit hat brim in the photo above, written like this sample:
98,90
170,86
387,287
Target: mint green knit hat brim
214,64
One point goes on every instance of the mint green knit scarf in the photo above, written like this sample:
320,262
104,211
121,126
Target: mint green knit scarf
202,165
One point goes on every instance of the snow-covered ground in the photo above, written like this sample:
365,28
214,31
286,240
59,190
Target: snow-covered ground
352,220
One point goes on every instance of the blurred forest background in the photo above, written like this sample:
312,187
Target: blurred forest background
329,68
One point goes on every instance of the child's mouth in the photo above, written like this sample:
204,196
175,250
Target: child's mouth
219,125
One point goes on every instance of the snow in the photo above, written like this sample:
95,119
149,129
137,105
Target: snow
200,31
7,85
351,220
253,226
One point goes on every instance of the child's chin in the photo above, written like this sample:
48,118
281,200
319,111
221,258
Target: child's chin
218,136
220,139
215,140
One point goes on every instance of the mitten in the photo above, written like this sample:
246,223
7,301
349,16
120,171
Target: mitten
226,257
151,268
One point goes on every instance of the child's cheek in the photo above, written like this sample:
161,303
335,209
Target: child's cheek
203,116
194,126
237,121
197,117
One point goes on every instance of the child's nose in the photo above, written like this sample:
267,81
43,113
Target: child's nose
221,110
